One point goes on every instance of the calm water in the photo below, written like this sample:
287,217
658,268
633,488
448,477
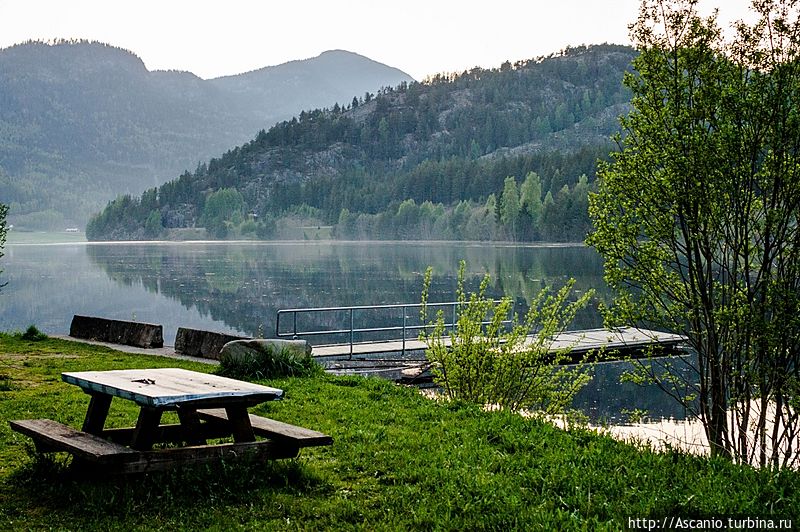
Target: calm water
238,287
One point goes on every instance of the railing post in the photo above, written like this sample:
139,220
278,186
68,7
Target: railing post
351,334
453,324
404,330
294,331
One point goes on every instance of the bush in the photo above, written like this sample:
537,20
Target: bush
266,361
489,362
32,334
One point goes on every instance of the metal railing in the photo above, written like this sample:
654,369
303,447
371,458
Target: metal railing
403,326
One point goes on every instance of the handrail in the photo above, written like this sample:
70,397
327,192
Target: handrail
352,329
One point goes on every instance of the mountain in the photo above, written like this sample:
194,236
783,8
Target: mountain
282,91
442,150
81,122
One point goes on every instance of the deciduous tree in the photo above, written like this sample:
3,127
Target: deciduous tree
697,215
509,206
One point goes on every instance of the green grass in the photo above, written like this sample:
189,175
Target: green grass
398,462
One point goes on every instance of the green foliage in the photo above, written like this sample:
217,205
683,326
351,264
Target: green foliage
32,334
269,363
223,208
39,220
531,196
697,215
123,218
522,215
486,361
510,206
399,462
153,225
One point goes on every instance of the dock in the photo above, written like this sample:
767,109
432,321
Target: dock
406,359
579,343
399,327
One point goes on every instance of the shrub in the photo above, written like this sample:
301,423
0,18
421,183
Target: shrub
489,362
267,362
32,334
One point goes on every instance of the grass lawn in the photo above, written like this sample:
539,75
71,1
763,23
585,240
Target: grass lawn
398,462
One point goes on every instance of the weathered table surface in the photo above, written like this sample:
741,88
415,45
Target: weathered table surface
166,387
158,390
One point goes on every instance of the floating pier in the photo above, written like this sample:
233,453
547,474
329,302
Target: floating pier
405,361
623,341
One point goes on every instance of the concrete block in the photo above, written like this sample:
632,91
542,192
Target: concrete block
137,334
205,344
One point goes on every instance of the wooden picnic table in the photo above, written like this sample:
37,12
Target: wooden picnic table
208,407
159,390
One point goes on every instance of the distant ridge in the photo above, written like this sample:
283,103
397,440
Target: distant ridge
334,76
441,151
81,122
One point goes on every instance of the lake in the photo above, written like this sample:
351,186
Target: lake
238,287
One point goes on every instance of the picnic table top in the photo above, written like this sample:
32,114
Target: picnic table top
168,387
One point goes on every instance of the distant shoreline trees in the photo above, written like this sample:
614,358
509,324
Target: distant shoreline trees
520,214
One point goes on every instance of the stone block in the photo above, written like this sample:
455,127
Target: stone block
137,334
205,344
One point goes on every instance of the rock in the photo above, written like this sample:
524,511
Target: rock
250,350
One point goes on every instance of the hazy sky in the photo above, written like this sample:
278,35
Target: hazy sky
421,37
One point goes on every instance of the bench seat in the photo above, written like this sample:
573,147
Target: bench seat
94,455
52,436
272,429
98,456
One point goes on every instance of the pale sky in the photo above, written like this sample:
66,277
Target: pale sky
421,37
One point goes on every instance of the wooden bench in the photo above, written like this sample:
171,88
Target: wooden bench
52,436
274,430
95,455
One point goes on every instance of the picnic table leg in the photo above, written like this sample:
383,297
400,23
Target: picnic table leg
97,413
144,435
190,421
239,421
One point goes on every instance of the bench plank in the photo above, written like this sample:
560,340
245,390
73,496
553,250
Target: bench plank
51,435
170,433
166,459
270,428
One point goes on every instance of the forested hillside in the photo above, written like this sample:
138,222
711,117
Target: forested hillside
82,122
507,153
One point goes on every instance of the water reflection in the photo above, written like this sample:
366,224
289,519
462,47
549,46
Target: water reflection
607,399
243,285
